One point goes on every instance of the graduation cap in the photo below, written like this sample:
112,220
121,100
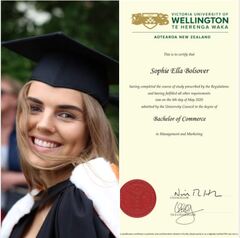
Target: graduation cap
64,62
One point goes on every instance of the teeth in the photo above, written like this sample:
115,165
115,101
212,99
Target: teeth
45,144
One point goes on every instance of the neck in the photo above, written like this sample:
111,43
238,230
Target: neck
52,178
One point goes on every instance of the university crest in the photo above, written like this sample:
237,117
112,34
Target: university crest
150,20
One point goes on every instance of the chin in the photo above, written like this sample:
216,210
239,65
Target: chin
38,162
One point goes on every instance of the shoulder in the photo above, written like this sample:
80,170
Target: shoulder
100,185
73,199
76,215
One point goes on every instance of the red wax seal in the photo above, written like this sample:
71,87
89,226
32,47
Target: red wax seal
138,198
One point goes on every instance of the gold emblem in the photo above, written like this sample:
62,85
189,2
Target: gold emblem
150,20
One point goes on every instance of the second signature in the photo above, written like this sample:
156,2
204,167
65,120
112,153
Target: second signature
186,214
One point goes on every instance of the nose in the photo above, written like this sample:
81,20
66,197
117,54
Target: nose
46,123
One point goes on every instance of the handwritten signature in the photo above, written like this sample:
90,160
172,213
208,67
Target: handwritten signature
196,192
186,214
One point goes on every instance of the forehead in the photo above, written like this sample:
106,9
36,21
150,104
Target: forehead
54,95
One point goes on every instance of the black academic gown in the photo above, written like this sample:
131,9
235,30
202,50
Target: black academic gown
71,216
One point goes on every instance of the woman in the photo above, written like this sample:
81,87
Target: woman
12,180
66,143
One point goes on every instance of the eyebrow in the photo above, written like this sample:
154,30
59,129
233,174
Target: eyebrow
69,107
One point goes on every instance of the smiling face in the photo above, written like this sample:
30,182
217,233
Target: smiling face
56,125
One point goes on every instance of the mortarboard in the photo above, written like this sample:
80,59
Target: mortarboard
64,62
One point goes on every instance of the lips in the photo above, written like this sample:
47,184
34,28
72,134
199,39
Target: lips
45,143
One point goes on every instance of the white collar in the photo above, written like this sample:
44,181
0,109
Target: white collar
96,179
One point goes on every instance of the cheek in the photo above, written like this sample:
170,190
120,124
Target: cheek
75,139
13,102
31,123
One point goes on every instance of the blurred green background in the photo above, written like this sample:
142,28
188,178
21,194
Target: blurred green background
93,23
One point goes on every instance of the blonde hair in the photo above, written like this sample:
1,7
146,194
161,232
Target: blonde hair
101,142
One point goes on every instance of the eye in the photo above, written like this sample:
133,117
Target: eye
66,115
34,108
